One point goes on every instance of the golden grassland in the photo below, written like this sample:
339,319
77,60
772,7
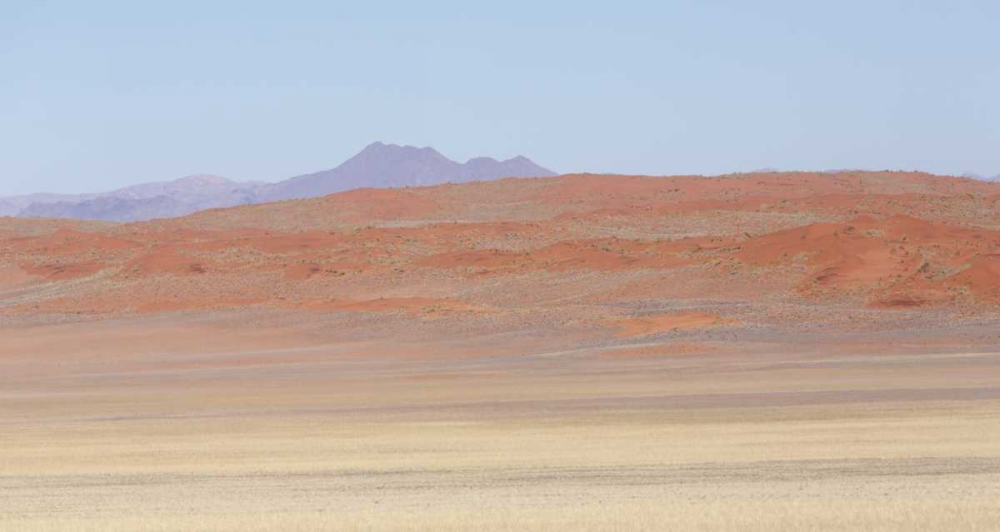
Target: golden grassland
120,437
893,467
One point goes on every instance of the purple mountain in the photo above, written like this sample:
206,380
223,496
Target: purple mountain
388,165
378,166
147,201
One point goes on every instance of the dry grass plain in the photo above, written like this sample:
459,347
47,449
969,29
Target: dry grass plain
197,428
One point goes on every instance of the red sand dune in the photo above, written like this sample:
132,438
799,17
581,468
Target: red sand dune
896,254
165,260
878,239
982,277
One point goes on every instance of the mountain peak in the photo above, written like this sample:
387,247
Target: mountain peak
381,165
376,147
378,165
382,149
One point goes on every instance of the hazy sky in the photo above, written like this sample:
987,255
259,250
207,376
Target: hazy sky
100,94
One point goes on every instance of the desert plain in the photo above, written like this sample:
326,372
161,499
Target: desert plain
771,351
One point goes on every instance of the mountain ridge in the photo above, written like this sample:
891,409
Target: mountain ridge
378,165
381,165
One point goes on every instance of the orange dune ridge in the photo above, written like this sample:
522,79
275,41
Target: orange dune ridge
880,240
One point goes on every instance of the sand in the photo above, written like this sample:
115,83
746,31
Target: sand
753,352
140,427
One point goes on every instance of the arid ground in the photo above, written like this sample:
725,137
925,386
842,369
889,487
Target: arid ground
749,352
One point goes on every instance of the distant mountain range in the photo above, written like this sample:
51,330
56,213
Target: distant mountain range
388,165
377,166
145,201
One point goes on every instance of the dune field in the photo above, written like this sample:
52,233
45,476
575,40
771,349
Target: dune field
764,351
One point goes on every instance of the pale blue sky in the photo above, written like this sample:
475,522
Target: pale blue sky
100,94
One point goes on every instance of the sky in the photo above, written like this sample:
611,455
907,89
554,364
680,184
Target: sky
102,94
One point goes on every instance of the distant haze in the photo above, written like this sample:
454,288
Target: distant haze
378,165
102,94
